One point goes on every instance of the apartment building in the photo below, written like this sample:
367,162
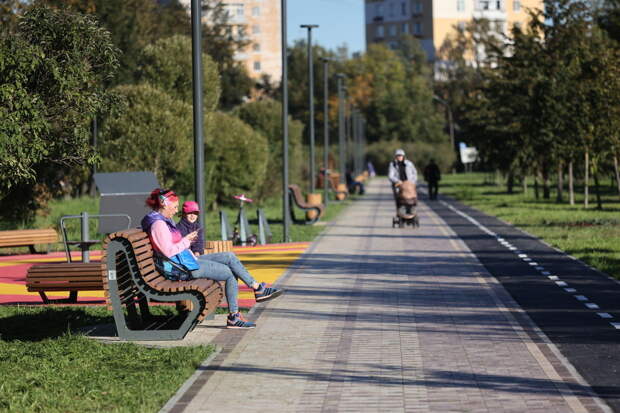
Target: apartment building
431,21
259,23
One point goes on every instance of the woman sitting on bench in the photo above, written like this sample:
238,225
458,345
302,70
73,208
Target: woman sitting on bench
223,266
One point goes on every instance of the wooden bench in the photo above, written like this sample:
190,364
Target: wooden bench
297,198
130,279
72,277
28,238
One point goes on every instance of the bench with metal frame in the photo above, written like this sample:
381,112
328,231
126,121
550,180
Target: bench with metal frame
131,281
71,277
28,238
297,198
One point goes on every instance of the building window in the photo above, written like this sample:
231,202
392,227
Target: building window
255,11
417,28
405,28
241,32
256,47
257,66
392,29
391,9
379,9
461,26
460,5
498,5
239,10
484,5
516,5
417,7
403,8
256,29
379,31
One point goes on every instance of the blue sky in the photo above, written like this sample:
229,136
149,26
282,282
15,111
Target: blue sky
340,21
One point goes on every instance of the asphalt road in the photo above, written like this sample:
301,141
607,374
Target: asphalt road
559,293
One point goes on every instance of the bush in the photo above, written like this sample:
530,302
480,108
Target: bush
154,133
235,159
381,153
265,116
167,64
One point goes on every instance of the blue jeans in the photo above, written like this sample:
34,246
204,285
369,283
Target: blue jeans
224,266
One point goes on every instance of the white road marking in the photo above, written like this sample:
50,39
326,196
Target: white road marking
553,277
561,284
527,259
581,297
533,264
592,306
570,290
616,325
605,315
540,268
522,255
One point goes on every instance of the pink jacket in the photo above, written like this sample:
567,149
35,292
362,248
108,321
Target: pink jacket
167,242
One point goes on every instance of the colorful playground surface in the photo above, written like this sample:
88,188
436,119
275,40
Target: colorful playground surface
266,263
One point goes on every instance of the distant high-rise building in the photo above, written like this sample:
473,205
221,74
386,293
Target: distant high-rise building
431,21
257,22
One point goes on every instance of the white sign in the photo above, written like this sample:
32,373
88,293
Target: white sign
468,154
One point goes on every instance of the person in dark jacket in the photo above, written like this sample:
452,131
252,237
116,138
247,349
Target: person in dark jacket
432,176
189,223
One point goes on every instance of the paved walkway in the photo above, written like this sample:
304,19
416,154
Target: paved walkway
377,318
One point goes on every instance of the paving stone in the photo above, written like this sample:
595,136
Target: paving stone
377,318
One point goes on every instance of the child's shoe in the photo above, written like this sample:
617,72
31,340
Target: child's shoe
264,293
236,320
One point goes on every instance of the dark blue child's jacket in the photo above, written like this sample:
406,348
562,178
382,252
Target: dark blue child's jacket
198,245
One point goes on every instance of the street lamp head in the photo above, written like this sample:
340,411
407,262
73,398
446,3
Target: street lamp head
309,26
326,59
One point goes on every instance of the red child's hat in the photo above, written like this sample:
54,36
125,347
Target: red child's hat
190,206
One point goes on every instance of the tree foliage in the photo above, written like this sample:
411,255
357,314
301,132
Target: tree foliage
153,133
265,117
236,158
167,64
52,75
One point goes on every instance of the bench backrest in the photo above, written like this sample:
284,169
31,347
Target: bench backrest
296,191
135,258
22,237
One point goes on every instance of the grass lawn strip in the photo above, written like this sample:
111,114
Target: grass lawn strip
590,235
46,368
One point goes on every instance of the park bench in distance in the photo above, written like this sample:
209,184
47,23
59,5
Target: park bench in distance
72,277
130,279
298,199
28,238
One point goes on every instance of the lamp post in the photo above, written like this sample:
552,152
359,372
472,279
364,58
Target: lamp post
285,198
450,119
325,129
341,127
311,102
197,96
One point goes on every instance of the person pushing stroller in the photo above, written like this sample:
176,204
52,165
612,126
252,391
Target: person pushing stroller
403,177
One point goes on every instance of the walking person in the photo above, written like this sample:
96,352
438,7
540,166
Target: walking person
401,170
432,176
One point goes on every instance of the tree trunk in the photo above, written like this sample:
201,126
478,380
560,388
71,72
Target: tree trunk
545,181
617,172
597,190
510,182
524,182
536,194
571,187
586,180
559,197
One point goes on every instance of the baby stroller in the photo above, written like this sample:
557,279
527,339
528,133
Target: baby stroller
406,200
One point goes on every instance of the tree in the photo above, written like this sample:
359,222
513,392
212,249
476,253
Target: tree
153,133
265,116
52,76
235,159
167,64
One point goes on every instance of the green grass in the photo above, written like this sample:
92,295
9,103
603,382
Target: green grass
47,368
589,234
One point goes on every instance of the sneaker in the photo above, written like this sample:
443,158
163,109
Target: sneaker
238,321
264,293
